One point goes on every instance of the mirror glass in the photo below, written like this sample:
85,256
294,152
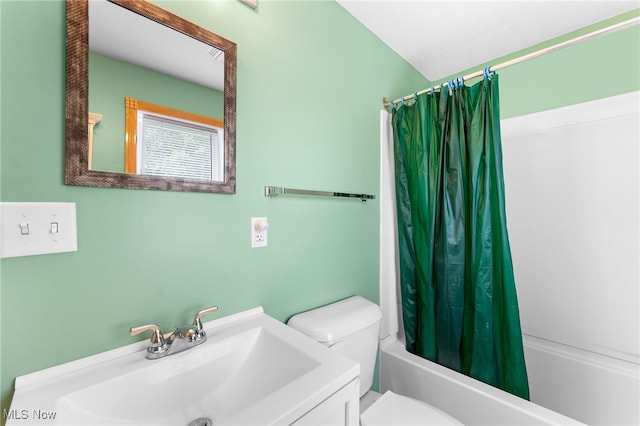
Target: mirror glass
150,100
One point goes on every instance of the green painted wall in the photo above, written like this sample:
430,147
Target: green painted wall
605,66
111,80
310,85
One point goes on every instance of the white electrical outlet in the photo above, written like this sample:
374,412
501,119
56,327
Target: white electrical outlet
259,227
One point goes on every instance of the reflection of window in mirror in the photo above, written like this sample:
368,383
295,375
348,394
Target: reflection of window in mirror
163,141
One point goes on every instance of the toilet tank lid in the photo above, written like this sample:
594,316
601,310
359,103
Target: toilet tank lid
337,320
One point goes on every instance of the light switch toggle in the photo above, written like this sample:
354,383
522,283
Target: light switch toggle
54,228
24,228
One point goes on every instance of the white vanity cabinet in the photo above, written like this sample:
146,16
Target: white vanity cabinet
341,408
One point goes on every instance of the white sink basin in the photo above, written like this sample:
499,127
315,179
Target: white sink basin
252,370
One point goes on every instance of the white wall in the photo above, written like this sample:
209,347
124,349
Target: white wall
572,191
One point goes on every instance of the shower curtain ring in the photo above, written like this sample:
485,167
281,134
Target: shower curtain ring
487,73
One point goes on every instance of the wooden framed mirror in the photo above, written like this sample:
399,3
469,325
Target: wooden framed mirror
78,128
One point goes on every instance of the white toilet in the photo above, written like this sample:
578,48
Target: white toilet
352,327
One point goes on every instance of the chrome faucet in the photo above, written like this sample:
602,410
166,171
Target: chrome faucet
182,338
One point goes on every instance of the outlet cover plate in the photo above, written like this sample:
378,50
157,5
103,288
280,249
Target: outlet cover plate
259,227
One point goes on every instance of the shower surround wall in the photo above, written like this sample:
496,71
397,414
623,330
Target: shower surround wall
572,190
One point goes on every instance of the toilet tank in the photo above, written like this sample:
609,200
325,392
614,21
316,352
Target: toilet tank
351,327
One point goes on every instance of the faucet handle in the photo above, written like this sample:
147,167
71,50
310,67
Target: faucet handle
157,342
196,321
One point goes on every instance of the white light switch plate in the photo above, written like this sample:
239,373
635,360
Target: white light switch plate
28,229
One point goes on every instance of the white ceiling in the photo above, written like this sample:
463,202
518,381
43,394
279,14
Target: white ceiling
119,33
441,38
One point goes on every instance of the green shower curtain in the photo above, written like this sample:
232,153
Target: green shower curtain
459,299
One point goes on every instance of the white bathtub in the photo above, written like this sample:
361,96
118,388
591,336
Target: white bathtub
594,388
470,401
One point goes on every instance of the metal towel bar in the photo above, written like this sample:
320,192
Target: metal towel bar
272,191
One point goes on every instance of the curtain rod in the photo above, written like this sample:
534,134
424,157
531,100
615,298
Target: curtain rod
480,73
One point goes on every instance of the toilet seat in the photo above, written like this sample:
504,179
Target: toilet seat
392,409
